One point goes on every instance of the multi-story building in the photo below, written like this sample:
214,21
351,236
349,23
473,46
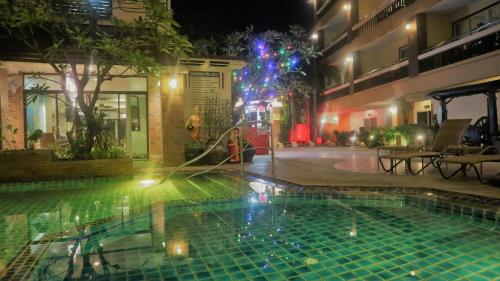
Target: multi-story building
382,57
147,114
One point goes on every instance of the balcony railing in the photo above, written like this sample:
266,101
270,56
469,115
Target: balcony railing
455,50
382,76
336,44
335,92
462,48
379,15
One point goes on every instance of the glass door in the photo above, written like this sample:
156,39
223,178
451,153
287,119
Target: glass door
136,127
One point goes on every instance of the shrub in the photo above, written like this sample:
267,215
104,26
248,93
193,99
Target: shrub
372,138
61,152
342,137
408,134
115,152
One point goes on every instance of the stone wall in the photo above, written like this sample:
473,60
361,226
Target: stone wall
11,109
38,165
14,110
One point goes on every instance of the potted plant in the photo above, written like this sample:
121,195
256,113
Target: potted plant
341,138
34,137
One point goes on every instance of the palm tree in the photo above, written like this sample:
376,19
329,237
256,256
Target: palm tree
234,45
206,47
290,87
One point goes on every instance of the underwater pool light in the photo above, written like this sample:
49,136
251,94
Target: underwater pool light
147,183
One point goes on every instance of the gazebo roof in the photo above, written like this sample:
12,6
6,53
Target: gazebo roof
481,88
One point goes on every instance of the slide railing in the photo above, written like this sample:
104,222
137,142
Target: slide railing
242,150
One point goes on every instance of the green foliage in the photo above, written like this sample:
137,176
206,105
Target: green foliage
372,138
205,47
104,132
342,137
62,152
233,45
380,136
407,133
33,137
115,152
285,124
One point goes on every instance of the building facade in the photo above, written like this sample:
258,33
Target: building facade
147,114
382,58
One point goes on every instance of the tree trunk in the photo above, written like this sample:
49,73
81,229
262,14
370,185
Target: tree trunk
293,116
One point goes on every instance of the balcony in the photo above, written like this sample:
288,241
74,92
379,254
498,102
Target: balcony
467,46
368,23
474,44
335,92
336,44
378,15
382,76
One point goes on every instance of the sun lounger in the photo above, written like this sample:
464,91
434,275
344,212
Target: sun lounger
450,134
396,148
468,161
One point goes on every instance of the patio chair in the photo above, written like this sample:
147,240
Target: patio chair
469,161
450,134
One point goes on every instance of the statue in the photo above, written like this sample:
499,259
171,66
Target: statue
193,125
234,148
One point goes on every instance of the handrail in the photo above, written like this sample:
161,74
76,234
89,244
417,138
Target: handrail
238,125
224,161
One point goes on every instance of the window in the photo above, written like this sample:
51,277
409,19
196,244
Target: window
403,53
476,21
135,116
103,8
370,123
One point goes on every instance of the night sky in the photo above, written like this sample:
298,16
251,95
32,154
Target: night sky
204,18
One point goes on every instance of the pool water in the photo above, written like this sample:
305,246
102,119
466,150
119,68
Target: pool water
242,231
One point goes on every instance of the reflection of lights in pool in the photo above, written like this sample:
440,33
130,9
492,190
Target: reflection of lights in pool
262,187
147,183
413,273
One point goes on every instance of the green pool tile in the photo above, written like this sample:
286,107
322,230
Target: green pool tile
478,278
491,274
373,277
348,276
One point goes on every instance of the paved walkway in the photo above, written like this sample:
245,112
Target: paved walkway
345,166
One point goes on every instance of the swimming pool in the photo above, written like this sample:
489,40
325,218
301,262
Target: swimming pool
218,227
